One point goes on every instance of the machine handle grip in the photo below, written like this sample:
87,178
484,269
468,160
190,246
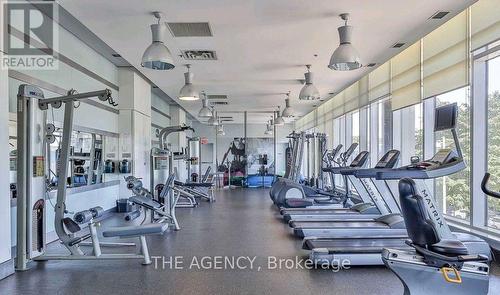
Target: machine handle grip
484,187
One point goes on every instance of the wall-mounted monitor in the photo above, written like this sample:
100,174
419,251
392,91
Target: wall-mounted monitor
446,117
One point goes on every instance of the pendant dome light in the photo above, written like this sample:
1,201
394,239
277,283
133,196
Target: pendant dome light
269,129
279,120
288,112
345,57
309,91
220,130
213,121
157,56
205,111
188,91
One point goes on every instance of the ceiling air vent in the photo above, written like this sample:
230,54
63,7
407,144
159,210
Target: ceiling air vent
116,55
398,45
217,96
199,29
199,54
371,65
219,102
439,15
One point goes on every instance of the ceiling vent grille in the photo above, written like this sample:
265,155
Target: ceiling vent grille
199,55
398,45
219,102
225,117
199,29
217,96
370,65
439,15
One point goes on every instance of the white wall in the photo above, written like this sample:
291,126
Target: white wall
237,130
5,237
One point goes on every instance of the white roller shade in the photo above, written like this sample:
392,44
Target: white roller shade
329,132
379,81
351,97
406,77
485,22
338,105
445,52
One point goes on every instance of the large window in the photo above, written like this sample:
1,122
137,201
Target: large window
408,132
493,82
453,192
355,127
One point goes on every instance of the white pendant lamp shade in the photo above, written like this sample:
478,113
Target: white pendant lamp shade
309,91
279,120
188,91
288,112
157,56
205,111
345,57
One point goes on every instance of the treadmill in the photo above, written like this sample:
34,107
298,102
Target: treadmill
367,250
363,211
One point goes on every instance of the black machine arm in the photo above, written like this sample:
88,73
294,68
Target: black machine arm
485,189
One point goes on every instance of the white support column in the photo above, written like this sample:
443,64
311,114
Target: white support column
374,130
479,142
135,123
429,106
407,125
6,267
364,141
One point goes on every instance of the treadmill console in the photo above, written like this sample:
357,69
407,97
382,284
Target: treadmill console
360,159
389,160
442,157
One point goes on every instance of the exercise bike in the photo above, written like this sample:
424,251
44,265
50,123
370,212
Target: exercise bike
436,266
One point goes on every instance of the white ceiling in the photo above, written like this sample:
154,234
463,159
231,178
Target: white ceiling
262,45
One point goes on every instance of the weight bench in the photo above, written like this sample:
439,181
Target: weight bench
140,231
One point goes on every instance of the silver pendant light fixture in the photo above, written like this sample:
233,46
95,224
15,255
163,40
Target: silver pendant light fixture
279,121
288,112
205,111
309,91
188,91
213,121
345,57
157,56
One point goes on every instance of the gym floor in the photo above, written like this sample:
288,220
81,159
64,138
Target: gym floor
241,223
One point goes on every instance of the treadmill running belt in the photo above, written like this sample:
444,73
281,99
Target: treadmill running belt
319,211
357,245
337,224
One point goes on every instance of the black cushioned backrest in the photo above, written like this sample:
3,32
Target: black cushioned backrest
420,228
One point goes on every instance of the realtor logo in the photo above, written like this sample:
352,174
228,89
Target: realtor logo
30,35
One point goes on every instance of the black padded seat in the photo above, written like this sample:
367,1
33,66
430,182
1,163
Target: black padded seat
449,248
